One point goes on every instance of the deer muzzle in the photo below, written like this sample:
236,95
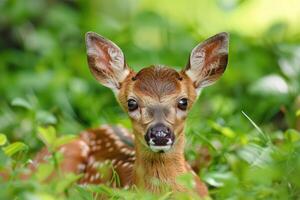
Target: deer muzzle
160,138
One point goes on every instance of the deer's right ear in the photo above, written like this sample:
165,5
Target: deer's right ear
106,61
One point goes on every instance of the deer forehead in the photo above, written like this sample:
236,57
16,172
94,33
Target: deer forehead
156,83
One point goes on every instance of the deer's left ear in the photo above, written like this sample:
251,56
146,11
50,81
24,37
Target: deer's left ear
208,61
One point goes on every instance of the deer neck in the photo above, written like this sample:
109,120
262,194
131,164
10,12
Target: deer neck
153,171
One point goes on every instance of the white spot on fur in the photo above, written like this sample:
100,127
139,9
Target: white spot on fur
86,176
62,150
99,141
108,144
92,178
92,142
91,160
126,164
96,164
119,163
113,161
84,148
118,143
110,149
81,167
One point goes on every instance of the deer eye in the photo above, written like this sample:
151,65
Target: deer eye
182,104
132,105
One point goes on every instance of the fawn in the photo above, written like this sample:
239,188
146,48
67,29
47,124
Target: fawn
157,100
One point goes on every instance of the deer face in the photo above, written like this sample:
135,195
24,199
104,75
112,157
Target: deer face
157,99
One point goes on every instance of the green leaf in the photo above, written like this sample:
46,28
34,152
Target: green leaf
45,117
228,132
20,102
217,179
63,140
298,113
40,195
15,147
47,135
270,85
165,196
65,183
186,180
256,155
292,135
43,171
3,139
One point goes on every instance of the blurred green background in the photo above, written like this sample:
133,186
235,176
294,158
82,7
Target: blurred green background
244,130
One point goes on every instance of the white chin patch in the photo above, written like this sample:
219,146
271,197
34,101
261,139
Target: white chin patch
164,148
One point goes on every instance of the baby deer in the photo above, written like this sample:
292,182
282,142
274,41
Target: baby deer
157,100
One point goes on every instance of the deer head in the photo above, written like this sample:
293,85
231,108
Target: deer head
157,99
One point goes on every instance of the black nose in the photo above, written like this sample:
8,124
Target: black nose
159,135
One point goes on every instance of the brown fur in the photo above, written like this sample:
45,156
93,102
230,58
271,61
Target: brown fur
159,85
157,81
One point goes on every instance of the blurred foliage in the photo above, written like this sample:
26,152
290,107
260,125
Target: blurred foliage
247,124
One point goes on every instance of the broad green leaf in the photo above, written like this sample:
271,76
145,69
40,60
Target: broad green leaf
45,117
65,183
217,179
3,139
43,171
186,180
40,196
270,85
63,140
298,113
20,102
13,148
82,193
3,160
256,155
228,132
47,135
292,135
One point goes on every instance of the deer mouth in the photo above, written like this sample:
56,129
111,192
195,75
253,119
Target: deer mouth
160,138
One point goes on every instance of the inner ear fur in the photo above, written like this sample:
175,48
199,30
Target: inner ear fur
106,61
208,61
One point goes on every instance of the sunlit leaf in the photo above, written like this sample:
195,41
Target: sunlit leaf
63,140
165,196
47,135
228,132
46,117
187,180
44,170
289,64
3,139
40,196
298,113
270,85
217,179
256,155
14,148
68,180
20,102
292,135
